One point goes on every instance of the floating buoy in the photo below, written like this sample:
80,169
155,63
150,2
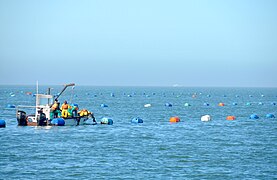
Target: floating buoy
168,104
104,105
237,95
147,105
2,123
206,104
254,116
137,120
260,103
28,93
208,95
262,95
107,121
58,122
206,118
234,103
174,119
270,115
129,95
273,103
112,94
248,104
250,96
187,104
221,104
10,106
230,118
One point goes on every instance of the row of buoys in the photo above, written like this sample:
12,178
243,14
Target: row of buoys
11,106
206,118
194,95
112,94
174,119
2,123
220,104
109,121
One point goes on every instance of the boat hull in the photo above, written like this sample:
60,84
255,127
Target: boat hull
67,122
75,121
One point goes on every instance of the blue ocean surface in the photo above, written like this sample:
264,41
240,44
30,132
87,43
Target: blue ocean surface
155,149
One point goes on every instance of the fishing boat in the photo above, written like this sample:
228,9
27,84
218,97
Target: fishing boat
44,114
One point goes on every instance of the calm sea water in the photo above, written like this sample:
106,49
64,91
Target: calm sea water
219,149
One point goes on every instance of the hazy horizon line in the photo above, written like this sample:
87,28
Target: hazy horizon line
174,86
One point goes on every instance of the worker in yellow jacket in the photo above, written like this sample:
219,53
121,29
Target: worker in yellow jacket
55,109
65,107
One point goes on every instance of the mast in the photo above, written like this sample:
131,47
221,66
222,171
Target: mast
37,103
49,92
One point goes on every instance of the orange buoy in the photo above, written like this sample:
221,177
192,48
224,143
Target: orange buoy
174,119
230,118
221,104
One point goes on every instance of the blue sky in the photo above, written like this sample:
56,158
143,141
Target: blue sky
139,42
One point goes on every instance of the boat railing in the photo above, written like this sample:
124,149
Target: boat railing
24,106
38,107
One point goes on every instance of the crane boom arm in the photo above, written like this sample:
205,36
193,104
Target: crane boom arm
65,86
